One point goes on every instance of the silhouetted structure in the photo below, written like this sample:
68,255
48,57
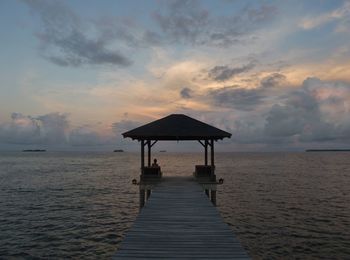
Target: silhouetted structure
178,127
178,221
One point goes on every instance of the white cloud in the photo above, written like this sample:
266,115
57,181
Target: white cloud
340,15
45,129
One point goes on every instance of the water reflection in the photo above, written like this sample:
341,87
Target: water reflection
78,205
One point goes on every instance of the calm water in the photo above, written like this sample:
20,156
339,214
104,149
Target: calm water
78,205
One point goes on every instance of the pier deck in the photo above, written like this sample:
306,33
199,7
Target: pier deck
179,222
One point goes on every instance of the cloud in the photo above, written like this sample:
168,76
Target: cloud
222,73
22,129
88,136
273,80
46,129
247,99
66,41
182,20
315,112
186,93
189,22
124,126
339,15
237,97
53,128
303,114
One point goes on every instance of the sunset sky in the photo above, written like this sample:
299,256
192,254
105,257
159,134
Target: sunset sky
76,74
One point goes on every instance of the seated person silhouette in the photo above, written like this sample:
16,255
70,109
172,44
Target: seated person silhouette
155,164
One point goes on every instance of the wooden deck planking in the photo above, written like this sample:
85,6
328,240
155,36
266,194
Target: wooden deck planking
179,222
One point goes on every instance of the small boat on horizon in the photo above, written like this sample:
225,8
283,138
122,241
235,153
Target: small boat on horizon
162,151
118,151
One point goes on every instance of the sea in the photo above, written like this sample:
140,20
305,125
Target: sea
64,205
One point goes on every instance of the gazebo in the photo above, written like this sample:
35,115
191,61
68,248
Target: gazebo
177,127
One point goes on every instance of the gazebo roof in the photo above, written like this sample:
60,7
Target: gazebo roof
176,127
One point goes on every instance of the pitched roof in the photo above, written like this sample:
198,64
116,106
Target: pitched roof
176,127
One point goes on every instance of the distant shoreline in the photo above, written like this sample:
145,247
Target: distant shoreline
34,151
327,150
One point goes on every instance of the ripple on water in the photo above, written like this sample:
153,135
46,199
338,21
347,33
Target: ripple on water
79,205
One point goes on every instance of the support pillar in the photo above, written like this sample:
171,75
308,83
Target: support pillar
207,192
148,194
142,198
213,197
206,152
212,163
212,152
149,152
142,155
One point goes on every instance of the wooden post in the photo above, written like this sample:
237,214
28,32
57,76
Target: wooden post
207,192
212,159
148,194
149,152
142,155
212,151
213,197
205,153
142,198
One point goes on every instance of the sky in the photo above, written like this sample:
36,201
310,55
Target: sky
76,74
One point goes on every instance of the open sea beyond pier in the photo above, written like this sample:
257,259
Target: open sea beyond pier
79,204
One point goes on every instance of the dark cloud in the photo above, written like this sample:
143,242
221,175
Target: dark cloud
245,99
182,20
124,126
245,131
316,112
273,80
151,38
186,93
301,115
222,73
189,22
237,97
66,41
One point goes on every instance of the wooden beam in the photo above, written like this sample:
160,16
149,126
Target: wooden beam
154,143
212,156
142,155
149,152
206,152
201,143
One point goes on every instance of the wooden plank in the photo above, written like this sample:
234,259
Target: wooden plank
179,222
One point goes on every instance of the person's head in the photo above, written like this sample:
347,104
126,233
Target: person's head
155,160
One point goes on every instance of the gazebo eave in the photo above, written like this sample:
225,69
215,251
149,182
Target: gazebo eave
176,138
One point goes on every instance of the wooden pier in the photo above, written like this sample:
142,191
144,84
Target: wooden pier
179,222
